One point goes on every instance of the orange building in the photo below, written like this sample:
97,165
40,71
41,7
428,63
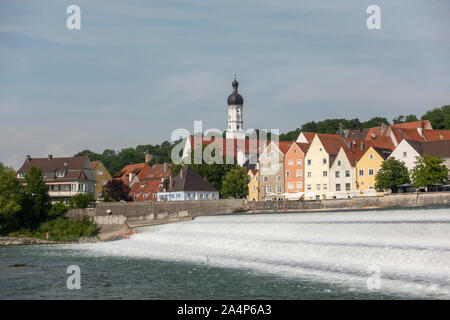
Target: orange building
294,168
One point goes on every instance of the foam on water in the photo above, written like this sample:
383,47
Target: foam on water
411,247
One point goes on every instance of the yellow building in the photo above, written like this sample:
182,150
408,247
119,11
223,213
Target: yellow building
253,185
103,176
367,167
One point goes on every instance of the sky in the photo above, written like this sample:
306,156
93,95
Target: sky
137,70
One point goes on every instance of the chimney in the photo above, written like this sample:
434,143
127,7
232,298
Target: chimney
362,146
148,157
165,167
28,158
50,157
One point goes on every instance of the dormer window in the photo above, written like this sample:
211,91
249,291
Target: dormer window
21,175
60,174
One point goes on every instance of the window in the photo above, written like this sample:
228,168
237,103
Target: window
337,174
370,172
338,187
317,186
361,172
272,154
268,189
325,173
291,163
347,186
339,162
279,189
60,174
99,194
347,173
299,162
265,178
299,185
278,178
99,172
370,156
404,154
308,162
299,173
309,174
287,174
253,188
320,149
66,187
324,161
21,175
105,183
325,186
308,187
295,151
290,185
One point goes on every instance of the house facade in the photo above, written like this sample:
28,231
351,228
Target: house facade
102,176
65,177
294,169
253,185
271,171
342,176
367,168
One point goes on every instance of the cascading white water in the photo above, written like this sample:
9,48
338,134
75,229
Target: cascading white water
411,248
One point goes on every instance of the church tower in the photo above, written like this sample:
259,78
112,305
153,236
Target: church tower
235,128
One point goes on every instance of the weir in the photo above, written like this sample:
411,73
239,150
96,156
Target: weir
410,248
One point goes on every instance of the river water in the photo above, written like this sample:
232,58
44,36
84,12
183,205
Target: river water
383,254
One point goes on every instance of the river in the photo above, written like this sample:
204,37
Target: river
381,254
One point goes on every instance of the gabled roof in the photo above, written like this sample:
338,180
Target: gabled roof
332,142
138,169
439,148
158,171
413,125
253,172
384,153
189,180
144,190
72,166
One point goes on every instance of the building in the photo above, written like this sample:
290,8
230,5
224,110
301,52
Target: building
189,185
367,167
102,176
408,151
294,169
65,177
253,185
321,154
235,129
132,173
157,179
271,171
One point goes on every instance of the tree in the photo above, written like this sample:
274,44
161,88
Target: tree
429,170
235,183
57,211
375,122
11,198
439,117
81,200
392,174
36,201
117,190
403,119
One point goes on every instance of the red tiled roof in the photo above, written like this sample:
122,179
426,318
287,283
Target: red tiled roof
94,164
284,146
303,146
253,171
413,125
309,136
157,172
139,169
332,142
249,145
144,190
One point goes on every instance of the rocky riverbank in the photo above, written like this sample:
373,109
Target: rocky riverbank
17,241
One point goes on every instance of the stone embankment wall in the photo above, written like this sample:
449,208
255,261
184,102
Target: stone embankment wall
388,201
120,212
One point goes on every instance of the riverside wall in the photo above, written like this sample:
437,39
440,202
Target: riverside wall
116,213
387,201
120,212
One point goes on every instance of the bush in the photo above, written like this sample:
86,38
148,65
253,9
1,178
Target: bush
57,210
81,200
64,229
